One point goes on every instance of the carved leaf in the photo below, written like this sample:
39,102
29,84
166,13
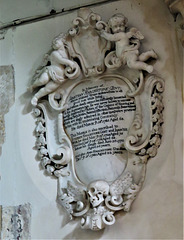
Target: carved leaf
77,193
118,187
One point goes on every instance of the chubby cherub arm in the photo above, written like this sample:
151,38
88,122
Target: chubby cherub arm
111,37
62,60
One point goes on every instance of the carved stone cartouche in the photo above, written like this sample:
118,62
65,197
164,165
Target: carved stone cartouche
96,51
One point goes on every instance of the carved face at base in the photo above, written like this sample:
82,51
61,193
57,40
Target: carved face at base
97,191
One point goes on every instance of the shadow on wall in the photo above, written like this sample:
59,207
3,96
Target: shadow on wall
25,99
79,233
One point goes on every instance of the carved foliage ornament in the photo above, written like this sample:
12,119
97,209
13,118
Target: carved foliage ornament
97,62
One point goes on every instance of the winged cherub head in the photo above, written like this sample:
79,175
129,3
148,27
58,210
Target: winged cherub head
118,23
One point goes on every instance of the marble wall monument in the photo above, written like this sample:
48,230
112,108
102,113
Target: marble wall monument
99,114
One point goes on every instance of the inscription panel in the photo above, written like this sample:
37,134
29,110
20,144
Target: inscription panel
97,120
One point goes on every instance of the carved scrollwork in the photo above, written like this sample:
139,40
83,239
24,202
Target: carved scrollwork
116,58
143,128
88,24
112,61
54,164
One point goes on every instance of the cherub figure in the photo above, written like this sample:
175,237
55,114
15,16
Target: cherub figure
128,43
52,76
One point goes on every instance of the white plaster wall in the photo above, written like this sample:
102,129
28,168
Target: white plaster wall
11,10
157,212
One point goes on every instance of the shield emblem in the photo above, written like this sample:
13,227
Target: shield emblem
86,44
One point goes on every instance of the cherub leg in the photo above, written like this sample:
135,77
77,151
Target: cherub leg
40,81
49,87
146,55
133,63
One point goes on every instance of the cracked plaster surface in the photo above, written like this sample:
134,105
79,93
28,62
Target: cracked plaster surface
7,96
16,221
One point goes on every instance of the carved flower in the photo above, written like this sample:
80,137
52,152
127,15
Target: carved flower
157,129
43,151
160,106
45,161
40,128
152,151
142,152
50,169
155,140
155,117
36,112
